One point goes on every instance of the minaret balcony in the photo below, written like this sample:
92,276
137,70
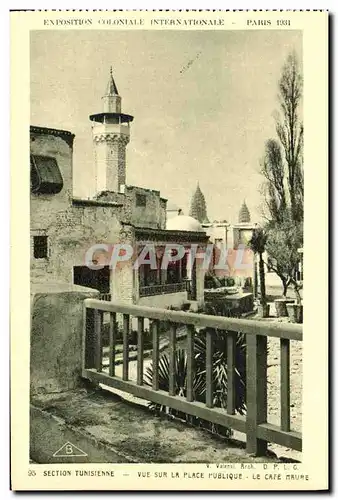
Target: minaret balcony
111,129
111,118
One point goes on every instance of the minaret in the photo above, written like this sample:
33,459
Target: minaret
198,207
244,214
111,134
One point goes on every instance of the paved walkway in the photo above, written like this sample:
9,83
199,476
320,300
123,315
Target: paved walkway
135,434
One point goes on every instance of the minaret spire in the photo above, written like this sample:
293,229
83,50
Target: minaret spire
111,133
111,87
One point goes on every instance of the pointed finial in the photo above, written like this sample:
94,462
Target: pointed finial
111,87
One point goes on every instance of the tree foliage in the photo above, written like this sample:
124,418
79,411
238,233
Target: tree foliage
282,168
282,165
290,132
273,171
282,247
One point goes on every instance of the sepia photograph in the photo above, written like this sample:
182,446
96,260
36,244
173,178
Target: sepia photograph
168,179
166,237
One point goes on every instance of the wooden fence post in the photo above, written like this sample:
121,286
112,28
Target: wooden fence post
90,342
256,392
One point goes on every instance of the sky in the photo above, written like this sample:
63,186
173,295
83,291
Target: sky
202,101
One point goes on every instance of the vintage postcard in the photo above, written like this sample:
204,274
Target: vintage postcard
169,325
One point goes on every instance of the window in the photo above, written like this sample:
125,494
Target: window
174,272
147,275
150,275
40,247
141,200
46,177
184,266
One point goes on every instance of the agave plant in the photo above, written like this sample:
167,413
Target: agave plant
220,377
220,368
181,369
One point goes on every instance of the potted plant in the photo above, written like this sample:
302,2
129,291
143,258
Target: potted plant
295,310
281,306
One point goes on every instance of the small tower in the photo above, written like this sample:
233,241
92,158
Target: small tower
244,214
198,208
111,134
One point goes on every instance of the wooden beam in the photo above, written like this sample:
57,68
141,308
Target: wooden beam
112,343
256,392
90,341
285,384
84,336
274,434
209,398
156,353
190,362
140,335
98,317
172,359
231,365
249,327
125,366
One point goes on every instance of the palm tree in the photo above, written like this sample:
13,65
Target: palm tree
257,245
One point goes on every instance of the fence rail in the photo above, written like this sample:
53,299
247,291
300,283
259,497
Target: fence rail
105,296
258,431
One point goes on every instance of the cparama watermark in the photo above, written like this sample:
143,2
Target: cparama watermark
211,256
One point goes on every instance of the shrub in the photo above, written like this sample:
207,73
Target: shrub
211,281
147,338
230,282
220,308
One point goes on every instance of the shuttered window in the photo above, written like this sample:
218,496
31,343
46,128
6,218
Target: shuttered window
46,177
40,247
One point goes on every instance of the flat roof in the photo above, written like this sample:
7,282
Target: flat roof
174,236
95,203
64,134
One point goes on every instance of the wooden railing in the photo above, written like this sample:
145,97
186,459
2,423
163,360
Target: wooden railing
147,291
105,296
258,431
